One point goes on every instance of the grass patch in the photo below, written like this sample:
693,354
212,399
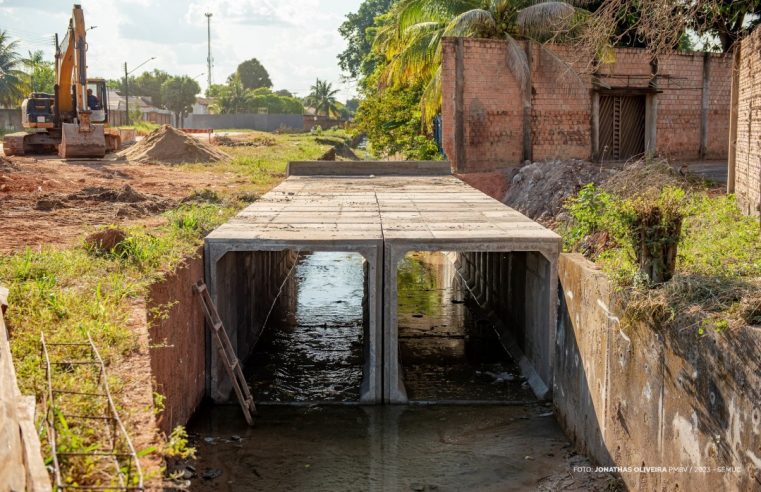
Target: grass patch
142,127
718,269
69,292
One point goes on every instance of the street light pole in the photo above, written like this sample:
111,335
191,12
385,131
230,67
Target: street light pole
126,91
208,57
126,84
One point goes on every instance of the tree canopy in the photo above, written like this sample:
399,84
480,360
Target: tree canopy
11,77
357,60
179,94
322,97
253,75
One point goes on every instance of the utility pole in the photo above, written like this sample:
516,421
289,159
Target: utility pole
126,91
208,58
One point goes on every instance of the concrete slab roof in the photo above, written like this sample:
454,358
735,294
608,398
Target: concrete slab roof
319,202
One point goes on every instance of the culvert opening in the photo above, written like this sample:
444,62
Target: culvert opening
466,322
301,321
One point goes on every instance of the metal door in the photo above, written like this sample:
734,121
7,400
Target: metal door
622,126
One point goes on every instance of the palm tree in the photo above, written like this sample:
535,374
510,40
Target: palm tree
410,38
11,77
235,98
323,98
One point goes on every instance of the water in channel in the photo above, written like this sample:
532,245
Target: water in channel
312,351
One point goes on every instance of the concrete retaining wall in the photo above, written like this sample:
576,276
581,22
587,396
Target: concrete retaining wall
261,122
21,464
177,334
635,397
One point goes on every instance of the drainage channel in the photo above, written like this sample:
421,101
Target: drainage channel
312,350
395,284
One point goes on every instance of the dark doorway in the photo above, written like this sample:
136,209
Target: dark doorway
622,126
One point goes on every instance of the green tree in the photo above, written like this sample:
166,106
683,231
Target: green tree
233,98
11,77
410,35
41,72
391,120
215,90
179,94
253,75
149,84
357,60
322,98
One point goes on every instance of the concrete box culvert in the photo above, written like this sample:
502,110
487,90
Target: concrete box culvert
382,211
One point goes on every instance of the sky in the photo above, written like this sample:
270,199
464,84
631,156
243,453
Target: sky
296,40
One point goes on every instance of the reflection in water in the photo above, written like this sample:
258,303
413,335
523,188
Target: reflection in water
449,351
314,352
380,448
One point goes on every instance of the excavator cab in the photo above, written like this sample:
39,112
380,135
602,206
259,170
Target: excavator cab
97,101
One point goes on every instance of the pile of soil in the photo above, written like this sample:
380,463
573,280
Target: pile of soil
167,145
128,202
540,189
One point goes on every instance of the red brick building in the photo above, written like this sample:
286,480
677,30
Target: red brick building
676,106
744,176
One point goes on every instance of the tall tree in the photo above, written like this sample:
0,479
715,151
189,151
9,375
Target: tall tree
357,60
41,72
322,97
179,94
253,75
233,98
149,84
11,75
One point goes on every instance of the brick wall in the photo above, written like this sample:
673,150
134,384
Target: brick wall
562,108
747,162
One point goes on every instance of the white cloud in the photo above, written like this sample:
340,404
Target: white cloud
296,40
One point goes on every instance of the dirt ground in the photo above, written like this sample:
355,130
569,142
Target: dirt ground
45,200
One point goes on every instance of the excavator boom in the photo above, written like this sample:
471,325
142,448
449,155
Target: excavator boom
81,138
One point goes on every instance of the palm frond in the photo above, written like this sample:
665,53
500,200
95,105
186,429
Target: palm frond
430,101
477,21
517,63
546,19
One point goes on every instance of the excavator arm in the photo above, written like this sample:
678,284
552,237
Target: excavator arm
80,138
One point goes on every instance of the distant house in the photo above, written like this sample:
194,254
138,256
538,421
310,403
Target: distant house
202,105
117,109
311,120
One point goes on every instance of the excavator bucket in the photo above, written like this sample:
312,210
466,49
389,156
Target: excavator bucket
76,143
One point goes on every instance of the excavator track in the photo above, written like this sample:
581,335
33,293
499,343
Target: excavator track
13,144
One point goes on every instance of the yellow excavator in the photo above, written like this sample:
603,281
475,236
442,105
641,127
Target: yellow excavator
73,121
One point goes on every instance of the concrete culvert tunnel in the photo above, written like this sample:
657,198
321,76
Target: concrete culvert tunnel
374,304
325,264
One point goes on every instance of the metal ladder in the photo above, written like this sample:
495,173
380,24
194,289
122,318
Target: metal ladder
226,352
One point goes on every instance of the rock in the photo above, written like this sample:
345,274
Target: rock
211,473
48,204
106,240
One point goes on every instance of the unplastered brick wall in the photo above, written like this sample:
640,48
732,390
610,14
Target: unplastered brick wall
748,146
561,112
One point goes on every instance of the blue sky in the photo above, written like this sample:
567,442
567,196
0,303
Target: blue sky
296,40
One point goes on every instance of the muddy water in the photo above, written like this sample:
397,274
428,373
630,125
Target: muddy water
448,349
312,349
313,352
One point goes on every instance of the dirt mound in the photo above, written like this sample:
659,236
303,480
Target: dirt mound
167,145
649,176
125,194
105,240
540,189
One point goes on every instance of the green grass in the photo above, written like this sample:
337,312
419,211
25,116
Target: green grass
143,127
68,292
717,282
